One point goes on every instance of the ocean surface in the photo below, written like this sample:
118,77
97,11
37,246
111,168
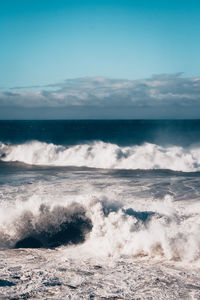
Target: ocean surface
100,209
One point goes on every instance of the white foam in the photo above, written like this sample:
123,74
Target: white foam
169,232
170,236
104,155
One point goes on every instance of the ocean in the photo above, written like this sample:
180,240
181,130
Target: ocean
106,209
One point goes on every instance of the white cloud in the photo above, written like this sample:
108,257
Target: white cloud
158,91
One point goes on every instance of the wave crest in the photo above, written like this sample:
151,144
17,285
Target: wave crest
104,155
48,228
104,229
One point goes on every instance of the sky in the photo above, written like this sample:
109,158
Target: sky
65,58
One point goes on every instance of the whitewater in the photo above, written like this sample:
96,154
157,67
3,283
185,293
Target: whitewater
104,155
89,213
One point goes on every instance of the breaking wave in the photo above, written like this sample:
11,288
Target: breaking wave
49,227
105,229
104,155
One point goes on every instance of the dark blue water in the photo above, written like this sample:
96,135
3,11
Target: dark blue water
121,132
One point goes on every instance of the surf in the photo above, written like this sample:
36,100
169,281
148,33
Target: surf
99,154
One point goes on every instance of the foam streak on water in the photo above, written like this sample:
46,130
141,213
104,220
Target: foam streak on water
97,214
125,233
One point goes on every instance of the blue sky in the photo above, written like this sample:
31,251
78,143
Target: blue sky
46,43
49,41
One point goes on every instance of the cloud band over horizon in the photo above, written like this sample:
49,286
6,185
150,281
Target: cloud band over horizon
161,96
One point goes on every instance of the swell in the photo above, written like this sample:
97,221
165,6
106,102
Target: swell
121,132
104,155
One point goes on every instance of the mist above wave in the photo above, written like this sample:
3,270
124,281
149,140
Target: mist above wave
104,155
